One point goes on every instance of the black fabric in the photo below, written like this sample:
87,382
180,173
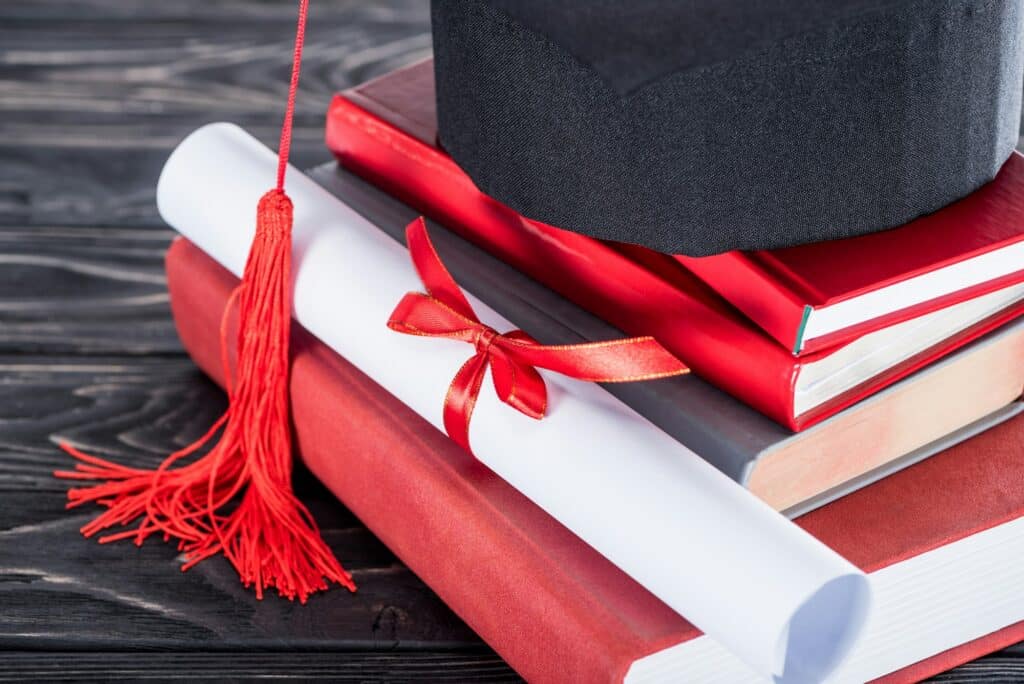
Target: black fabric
700,126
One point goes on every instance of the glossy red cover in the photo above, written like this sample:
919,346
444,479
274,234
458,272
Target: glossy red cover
385,131
543,599
774,287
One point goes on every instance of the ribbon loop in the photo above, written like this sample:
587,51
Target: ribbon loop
514,356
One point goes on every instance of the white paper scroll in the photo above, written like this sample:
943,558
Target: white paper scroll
766,590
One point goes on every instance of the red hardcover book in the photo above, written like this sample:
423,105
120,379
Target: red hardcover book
385,130
818,295
553,607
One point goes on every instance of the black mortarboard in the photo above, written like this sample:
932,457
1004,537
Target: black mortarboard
699,126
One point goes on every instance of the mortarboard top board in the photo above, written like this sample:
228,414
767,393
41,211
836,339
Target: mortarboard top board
701,126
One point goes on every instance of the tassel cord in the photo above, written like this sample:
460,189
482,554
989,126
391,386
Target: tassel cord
237,499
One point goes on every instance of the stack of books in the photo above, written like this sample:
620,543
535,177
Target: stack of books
869,388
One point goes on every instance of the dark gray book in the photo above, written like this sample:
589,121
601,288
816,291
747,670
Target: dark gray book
795,472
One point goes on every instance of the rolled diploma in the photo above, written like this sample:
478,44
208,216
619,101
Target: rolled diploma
766,590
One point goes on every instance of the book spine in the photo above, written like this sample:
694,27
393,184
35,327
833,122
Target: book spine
471,537
700,329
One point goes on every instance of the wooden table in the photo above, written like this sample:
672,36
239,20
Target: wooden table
93,95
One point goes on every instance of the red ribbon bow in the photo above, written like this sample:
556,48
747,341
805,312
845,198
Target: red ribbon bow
513,356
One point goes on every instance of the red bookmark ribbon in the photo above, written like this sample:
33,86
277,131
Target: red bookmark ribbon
514,356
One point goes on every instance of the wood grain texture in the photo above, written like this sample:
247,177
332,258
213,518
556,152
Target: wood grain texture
57,588
84,290
101,90
60,592
456,666
93,95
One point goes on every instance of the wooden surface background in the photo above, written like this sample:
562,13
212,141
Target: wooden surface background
93,95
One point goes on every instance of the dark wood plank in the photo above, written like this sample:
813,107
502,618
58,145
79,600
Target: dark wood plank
67,183
126,409
93,95
461,666
82,291
999,668
58,589
149,61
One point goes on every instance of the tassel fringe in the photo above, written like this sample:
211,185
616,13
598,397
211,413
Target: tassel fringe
237,499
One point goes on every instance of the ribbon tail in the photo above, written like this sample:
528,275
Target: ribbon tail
436,278
630,359
461,399
520,386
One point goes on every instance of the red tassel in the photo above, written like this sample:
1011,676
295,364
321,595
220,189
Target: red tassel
269,536
237,499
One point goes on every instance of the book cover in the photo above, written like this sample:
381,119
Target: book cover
365,131
821,294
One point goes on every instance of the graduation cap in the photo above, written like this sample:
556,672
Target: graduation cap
701,126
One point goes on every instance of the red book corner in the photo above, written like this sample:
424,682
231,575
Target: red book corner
970,248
